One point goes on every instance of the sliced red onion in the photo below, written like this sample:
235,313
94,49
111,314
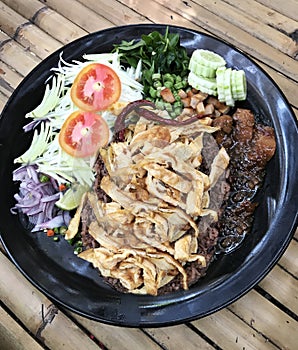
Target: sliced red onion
37,199
57,221
50,198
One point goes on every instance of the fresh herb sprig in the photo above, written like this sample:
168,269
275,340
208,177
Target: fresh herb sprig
159,54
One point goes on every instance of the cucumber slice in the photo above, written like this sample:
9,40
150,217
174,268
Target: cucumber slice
203,84
239,87
208,58
220,73
228,88
201,70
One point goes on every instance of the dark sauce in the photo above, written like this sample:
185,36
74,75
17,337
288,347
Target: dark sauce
246,175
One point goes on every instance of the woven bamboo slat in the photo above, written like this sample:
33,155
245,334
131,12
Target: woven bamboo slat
246,22
230,333
3,100
260,12
58,26
179,337
290,10
112,336
267,319
233,34
289,261
14,55
37,41
288,87
160,14
50,21
10,20
38,313
27,34
114,12
26,8
9,79
79,14
281,285
12,333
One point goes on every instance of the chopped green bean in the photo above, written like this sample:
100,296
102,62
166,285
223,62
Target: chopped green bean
159,104
168,84
157,84
168,77
178,79
178,86
156,76
152,92
168,106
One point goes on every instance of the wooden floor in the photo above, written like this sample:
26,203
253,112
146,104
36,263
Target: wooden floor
266,317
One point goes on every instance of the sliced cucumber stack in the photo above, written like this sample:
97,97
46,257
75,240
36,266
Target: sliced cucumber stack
238,85
203,84
208,58
209,74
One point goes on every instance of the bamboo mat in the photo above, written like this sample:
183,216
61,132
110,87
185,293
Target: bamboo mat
267,30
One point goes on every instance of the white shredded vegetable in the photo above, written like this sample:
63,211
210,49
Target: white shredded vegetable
56,105
38,145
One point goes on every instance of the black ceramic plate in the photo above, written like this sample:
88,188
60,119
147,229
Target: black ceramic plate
71,282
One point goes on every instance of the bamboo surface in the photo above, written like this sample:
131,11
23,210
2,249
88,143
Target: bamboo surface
267,30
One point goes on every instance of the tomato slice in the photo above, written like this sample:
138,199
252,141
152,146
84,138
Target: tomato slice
83,133
95,88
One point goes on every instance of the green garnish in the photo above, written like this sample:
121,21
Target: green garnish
159,54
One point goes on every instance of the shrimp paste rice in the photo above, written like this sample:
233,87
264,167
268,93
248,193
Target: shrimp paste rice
156,195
